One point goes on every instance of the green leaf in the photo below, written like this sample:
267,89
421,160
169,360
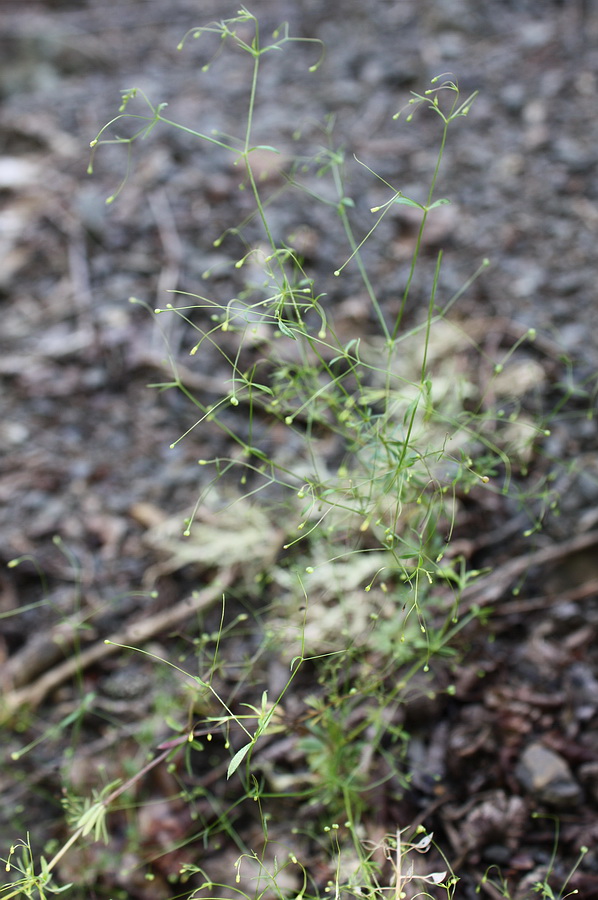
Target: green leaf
405,201
261,387
255,451
264,147
238,759
286,330
444,201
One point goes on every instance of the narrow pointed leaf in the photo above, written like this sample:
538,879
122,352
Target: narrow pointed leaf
238,759
405,201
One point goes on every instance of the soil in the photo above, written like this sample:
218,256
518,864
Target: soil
93,496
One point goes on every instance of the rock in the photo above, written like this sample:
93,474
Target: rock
588,774
496,821
546,775
582,690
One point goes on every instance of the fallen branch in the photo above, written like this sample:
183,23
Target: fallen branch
136,633
492,587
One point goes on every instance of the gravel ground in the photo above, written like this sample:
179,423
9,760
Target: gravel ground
85,445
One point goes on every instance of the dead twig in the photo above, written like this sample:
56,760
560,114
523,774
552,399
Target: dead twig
136,633
529,604
492,587
44,649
